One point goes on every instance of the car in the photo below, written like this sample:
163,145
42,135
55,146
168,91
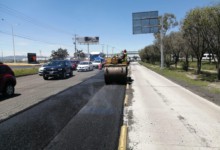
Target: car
7,80
41,69
58,68
74,64
85,66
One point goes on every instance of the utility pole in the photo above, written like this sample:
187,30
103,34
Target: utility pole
161,44
75,47
107,51
113,51
2,56
88,52
103,48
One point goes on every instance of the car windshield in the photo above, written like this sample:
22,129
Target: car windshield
56,63
84,63
44,65
74,62
97,61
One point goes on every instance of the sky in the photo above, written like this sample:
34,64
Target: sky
40,26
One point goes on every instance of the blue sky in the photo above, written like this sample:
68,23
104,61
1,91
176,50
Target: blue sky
41,26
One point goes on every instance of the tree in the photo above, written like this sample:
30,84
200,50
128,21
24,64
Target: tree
169,21
212,34
59,54
178,46
150,54
193,29
168,48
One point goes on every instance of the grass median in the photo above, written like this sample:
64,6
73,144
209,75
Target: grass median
26,71
203,82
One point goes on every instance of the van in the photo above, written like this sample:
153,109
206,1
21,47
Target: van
207,56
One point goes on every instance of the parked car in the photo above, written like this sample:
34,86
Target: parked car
7,80
74,64
41,69
58,68
85,66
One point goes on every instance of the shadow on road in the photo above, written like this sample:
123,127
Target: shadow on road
2,98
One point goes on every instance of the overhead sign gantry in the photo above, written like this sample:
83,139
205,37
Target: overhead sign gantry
148,22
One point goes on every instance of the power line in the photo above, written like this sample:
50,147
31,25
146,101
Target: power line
32,39
15,13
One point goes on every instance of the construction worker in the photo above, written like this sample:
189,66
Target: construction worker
124,56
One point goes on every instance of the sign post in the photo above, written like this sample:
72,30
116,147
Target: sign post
148,22
87,41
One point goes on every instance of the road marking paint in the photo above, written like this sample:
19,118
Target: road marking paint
123,138
127,87
126,100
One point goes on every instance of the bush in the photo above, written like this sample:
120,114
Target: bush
185,66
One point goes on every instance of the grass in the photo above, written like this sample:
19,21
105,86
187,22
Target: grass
206,65
203,80
23,72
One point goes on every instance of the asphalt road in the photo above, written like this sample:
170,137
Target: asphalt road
164,115
33,89
81,114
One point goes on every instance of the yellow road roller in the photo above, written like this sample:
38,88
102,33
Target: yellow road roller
115,71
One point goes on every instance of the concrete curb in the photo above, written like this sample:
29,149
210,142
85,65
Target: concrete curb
123,138
126,100
124,129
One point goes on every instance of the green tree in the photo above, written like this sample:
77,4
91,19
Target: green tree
150,54
169,21
194,29
212,32
59,54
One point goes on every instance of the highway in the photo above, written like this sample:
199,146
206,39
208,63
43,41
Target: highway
33,89
80,112
164,115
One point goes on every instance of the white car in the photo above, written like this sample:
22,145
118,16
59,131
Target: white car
84,66
41,69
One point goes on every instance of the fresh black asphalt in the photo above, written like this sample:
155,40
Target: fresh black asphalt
86,116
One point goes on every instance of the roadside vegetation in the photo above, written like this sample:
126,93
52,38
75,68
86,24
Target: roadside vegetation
189,78
27,71
192,54
199,34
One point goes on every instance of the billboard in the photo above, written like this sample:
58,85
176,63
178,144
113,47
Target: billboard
88,40
145,22
32,57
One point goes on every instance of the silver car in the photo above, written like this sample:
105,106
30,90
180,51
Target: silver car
84,66
40,70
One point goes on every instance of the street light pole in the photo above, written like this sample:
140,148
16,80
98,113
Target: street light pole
161,44
13,42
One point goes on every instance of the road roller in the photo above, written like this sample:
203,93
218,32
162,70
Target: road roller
115,71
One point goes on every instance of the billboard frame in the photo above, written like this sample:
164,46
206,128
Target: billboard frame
145,22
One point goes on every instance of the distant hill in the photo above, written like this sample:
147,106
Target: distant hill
11,58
